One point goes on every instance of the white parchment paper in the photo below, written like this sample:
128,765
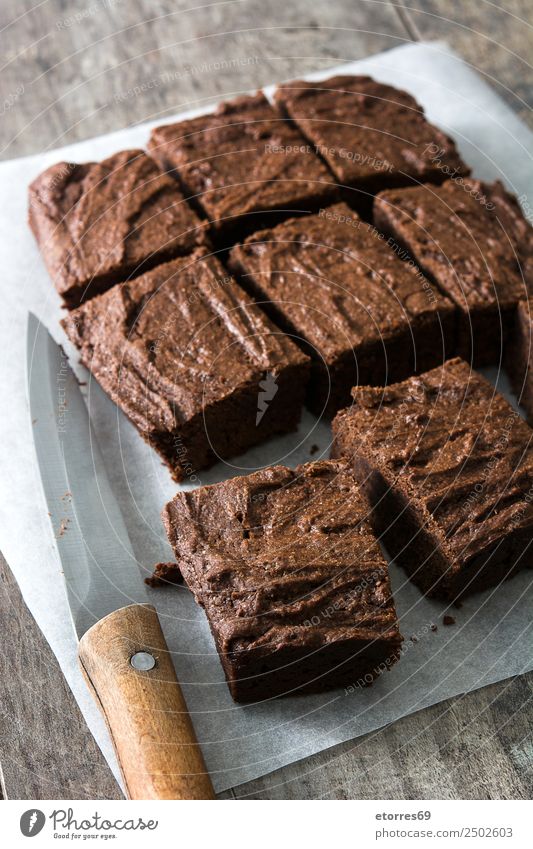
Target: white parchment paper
492,637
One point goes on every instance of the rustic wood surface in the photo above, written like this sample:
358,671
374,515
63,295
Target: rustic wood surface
74,69
46,749
495,38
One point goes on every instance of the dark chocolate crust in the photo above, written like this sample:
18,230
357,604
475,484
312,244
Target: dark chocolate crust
291,577
185,354
448,466
472,240
371,135
519,357
243,163
362,314
101,222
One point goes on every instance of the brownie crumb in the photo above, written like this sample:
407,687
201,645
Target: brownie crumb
152,581
448,620
63,527
414,639
434,627
313,449
164,573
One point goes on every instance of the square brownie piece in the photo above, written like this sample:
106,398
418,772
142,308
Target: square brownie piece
471,239
101,222
243,165
447,465
292,579
519,356
371,135
197,367
363,315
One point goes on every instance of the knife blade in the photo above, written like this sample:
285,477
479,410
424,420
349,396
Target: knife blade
99,566
122,650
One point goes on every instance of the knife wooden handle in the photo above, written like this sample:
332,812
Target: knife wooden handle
145,711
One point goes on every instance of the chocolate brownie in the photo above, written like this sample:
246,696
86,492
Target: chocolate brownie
362,314
519,356
196,366
467,236
101,222
371,135
506,207
244,165
292,579
447,465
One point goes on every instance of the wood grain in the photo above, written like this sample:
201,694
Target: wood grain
131,61
145,711
46,749
495,38
91,66
477,746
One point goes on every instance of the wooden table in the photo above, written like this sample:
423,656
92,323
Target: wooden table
72,70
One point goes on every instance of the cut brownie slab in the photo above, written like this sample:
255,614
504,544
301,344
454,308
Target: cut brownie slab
243,165
519,356
100,222
448,467
371,135
468,237
362,314
196,366
291,577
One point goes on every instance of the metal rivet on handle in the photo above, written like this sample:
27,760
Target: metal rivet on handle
142,661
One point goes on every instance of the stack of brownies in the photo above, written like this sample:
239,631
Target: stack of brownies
327,249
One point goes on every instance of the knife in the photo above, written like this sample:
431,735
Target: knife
122,651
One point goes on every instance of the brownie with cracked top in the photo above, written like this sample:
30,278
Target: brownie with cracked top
291,577
244,165
447,465
99,223
371,135
192,361
519,356
472,240
362,314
